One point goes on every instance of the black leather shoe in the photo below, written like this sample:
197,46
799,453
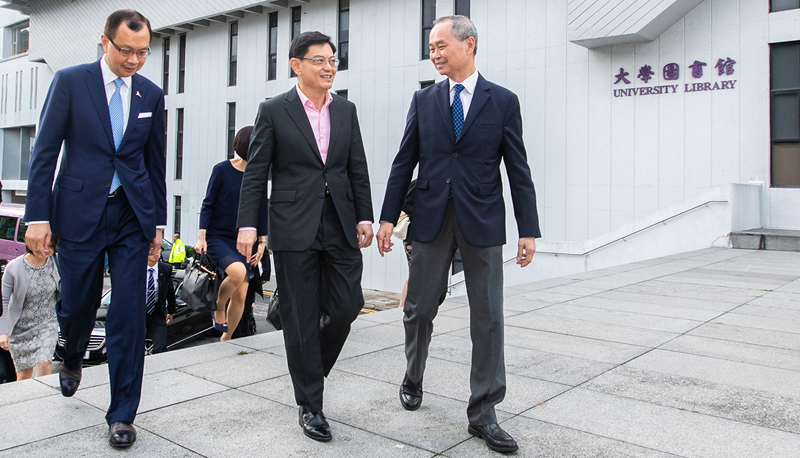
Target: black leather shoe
496,439
69,379
410,394
121,434
315,425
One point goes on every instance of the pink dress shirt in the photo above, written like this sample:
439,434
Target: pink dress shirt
320,121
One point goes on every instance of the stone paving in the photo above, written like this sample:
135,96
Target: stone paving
693,355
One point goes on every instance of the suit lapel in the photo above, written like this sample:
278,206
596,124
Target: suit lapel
335,111
442,96
479,99
136,107
97,92
298,114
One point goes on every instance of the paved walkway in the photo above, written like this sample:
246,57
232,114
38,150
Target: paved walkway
689,355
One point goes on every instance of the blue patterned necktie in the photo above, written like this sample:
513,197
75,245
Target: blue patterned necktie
151,291
458,110
117,121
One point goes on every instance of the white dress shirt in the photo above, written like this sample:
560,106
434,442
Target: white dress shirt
151,271
466,94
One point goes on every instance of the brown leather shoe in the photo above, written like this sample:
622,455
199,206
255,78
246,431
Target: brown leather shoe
121,434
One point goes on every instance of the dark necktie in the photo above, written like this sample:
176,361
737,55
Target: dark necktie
458,110
151,291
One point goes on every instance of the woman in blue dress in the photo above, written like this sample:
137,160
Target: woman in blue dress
218,232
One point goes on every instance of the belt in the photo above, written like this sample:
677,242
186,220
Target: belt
119,192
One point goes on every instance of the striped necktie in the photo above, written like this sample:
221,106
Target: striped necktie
117,122
151,291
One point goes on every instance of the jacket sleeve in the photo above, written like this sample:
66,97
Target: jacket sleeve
155,162
254,182
212,190
8,290
52,130
358,173
519,173
403,167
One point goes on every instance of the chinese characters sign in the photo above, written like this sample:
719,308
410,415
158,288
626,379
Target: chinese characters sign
672,72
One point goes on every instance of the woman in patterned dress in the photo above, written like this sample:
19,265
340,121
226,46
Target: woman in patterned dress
28,324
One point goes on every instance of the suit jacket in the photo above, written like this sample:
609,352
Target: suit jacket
282,140
492,132
75,114
166,289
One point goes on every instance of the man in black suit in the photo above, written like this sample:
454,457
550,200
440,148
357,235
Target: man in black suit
160,302
320,215
458,131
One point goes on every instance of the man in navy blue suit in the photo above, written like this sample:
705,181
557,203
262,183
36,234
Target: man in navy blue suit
458,131
109,197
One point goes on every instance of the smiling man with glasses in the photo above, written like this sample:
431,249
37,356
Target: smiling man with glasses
320,216
109,198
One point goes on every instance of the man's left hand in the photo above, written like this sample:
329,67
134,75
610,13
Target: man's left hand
525,249
155,244
169,318
364,235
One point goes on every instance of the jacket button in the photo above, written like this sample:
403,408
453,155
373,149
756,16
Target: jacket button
116,159
108,186
455,154
448,180
322,194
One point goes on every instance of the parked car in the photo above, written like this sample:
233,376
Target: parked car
186,325
12,232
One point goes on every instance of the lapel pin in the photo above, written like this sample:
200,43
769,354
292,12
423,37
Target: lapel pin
137,94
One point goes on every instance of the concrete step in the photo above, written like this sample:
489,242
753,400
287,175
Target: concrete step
767,239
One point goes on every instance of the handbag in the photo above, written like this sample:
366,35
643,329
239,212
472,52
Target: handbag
200,285
273,316
401,228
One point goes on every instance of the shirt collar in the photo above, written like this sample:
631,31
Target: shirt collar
307,102
109,76
469,83
153,268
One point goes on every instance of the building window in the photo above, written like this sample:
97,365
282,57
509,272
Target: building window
424,84
176,225
165,76
166,123
179,146
19,38
272,59
17,144
462,7
783,5
785,114
342,93
234,42
428,16
231,128
297,14
344,33
181,63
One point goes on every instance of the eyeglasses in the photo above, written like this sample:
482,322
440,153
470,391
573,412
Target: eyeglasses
128,53
321,61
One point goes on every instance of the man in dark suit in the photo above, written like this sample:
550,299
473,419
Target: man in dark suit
458,131
159,302
320,215
109,197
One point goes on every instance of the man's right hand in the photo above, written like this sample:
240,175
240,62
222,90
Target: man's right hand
37,236
244,243
384,237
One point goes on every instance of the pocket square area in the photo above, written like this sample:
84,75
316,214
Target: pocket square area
145,115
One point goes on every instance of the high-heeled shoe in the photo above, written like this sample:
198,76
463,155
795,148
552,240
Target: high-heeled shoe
221,327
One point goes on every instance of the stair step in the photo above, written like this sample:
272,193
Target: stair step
767,239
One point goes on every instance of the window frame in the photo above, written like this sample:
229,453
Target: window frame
344,44
165,64
231,128
182,63
179,145
795,91
426,27
272,46
233,52
297,21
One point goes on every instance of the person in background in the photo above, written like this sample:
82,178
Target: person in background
178,252
218,232
28,324
408,208
160,301
261,274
